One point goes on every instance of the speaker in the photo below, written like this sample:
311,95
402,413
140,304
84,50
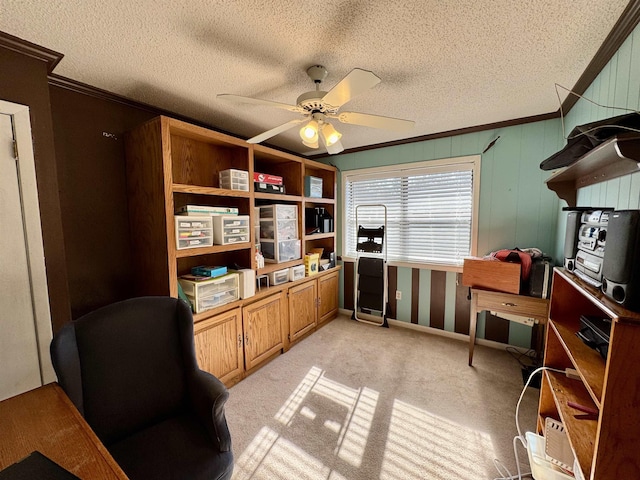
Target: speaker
621,265
571,239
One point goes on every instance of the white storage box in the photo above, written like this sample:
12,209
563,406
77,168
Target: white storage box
193,232
228,229
312,187
201,210
296,273
279,210
286,250
234,179
279,276
247,281
211,293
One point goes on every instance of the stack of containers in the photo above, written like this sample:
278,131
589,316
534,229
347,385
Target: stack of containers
279,239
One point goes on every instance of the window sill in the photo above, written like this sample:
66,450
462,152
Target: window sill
423,266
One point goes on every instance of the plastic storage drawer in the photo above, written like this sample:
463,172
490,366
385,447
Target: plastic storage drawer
234,179
279,210
286,250
279,276
193,232
279,229
228,229
207,294
296,273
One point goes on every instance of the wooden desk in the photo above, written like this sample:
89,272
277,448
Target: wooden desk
531,307
44,419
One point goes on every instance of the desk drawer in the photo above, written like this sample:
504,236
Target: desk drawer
514,304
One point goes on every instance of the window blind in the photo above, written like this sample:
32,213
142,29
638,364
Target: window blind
429,212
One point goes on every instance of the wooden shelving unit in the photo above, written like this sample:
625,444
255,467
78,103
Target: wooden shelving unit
170,164
606,447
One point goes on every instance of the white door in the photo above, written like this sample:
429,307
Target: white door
25,328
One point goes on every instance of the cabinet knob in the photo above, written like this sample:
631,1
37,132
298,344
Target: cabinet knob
509,304
246,339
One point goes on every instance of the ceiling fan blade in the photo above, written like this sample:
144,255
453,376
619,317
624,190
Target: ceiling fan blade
376,121
258,101
275,131
334,148
356,82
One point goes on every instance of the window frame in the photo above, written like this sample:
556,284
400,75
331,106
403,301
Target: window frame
471,162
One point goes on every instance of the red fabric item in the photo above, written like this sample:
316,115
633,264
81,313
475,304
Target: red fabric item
516,256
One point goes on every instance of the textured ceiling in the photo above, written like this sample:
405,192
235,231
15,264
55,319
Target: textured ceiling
445,64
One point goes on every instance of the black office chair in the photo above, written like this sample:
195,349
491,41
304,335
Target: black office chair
130,368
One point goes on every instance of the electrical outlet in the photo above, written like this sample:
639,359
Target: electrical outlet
398,295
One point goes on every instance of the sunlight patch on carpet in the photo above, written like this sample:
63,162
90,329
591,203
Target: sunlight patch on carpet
422,445
272,457
332,423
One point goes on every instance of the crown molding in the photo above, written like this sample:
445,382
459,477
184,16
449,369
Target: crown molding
450,133
621,30
50,57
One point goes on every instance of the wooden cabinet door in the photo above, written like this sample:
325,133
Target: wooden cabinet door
327,297
263,329
218,342
302,309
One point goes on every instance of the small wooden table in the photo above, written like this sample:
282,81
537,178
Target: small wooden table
44,419
531,307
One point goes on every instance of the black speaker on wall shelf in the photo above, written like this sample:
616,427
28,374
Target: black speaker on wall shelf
571,239
621,265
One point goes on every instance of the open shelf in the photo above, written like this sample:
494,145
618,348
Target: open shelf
605,446
213,191
195,252
587,361
614,158
581,431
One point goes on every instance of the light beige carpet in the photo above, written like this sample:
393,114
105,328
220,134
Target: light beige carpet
355,401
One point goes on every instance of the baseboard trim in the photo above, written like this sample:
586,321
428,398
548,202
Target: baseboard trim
444,333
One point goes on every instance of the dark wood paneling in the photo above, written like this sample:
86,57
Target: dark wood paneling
24,81
392,279
348,272
438,289
463,307
415,294
496,329
89,142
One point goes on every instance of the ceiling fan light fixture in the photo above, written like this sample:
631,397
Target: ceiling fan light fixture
330,134
309,133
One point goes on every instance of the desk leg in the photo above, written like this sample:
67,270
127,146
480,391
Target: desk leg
472,326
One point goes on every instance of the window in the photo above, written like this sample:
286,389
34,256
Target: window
431,209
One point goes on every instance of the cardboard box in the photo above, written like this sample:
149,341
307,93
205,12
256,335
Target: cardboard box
491,274
311,263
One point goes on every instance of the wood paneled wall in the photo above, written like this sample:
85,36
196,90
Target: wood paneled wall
24,81
618,85
516,210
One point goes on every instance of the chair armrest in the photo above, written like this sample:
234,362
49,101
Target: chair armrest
208,396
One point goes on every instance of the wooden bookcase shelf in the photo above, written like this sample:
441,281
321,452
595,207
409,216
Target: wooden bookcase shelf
170,164
606,446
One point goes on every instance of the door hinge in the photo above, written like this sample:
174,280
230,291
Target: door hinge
15,150
239,340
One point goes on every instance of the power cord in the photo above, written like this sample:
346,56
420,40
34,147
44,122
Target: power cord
595,103
520,437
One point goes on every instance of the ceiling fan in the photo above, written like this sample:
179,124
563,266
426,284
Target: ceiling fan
318,106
